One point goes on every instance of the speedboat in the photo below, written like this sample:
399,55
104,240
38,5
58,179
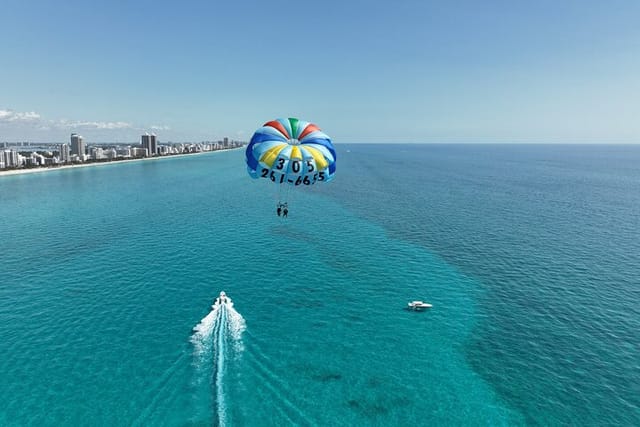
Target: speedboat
418,305
222,299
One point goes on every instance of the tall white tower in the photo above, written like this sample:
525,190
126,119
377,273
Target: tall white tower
77,144
64,153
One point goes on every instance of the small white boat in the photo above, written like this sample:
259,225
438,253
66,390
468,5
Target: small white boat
222,299
418,305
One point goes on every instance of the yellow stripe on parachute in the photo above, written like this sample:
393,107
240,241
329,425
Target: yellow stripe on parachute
321,162
296,154
271,155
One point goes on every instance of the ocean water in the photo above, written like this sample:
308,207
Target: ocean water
530,255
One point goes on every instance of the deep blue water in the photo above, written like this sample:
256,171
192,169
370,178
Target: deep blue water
530,255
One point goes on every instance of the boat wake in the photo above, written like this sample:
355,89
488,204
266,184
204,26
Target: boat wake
217,339
272,388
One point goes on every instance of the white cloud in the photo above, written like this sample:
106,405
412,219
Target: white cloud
8,116
31,117
21,125
93,125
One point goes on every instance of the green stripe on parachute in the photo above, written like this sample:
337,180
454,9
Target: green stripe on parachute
294,127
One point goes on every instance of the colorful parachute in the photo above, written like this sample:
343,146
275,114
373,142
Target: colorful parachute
291,151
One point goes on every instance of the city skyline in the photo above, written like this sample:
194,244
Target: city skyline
408,72
28,155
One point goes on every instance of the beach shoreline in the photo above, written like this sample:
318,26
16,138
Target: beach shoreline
84,165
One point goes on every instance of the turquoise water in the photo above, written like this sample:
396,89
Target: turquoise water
530,255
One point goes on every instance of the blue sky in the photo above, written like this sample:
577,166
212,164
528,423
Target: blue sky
364,71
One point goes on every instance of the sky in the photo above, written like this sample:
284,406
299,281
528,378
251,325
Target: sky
558,71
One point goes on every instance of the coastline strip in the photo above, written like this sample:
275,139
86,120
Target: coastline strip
84,165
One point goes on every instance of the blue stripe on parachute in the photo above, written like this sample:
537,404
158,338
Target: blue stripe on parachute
252,163
324,142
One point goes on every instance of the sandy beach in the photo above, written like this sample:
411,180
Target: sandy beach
84,165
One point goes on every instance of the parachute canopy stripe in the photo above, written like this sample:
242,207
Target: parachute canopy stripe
260,149
320,141
286,152
295,153
315,136
287,125
267,133
252,164
277,124
324,150
294,127
307,130
271,155
248,154
318,157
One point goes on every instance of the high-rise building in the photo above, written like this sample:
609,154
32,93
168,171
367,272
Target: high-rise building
96,153
139,152
11,158
150,143
64,153
77,145
145,140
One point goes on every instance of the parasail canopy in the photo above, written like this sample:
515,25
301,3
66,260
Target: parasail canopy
291,151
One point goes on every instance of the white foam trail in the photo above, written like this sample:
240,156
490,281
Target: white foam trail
223,325
201,339
220,368
236,326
